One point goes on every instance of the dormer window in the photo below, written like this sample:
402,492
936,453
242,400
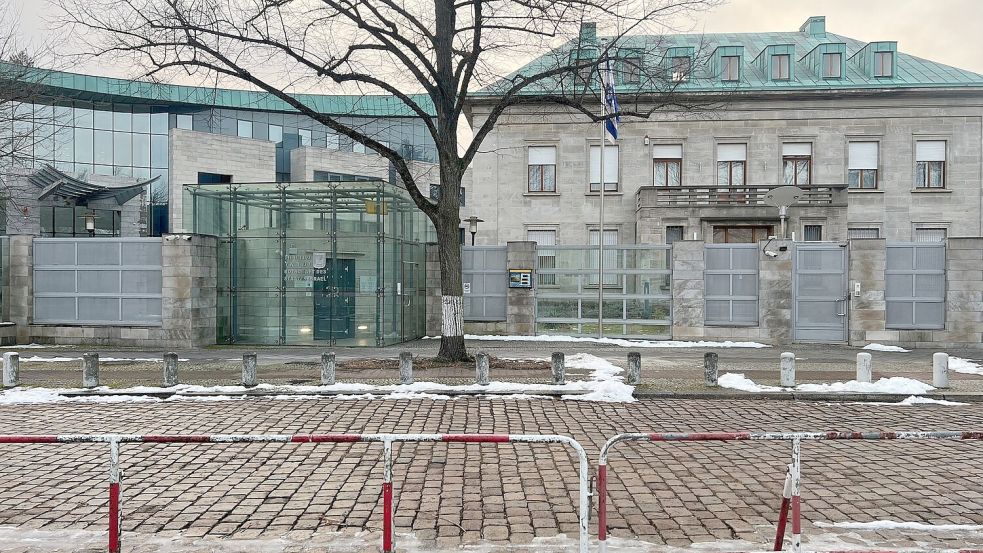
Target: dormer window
832,65
780,67
631,70
883,64
730,68
680,68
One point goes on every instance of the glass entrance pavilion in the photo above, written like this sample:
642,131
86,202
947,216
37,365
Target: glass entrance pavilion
335,263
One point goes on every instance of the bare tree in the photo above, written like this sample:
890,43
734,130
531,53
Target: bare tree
447,50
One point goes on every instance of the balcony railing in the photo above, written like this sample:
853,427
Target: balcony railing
722,196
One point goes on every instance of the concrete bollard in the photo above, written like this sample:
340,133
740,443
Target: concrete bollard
406,368
788,369
710,369
90,370
170,369
481,369
559,369
864,370
249,370
11,369
327,369
940,370
634,368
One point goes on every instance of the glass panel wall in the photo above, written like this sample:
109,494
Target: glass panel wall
337,263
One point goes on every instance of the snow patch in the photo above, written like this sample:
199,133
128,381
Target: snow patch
738,381
609,341
918,400
893,525
892,385
882,347
37,359
965,366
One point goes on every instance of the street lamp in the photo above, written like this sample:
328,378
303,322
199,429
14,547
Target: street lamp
90,223
473,226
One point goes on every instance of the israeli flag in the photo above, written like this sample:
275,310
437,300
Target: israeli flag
610,101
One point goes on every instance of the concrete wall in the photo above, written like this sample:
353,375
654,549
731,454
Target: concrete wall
894,120
188,300
304,161
246,159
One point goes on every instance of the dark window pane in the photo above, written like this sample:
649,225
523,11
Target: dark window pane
854,178
64,223
673,233
870,178
813,233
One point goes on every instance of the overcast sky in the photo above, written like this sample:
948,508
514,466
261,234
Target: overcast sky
946,31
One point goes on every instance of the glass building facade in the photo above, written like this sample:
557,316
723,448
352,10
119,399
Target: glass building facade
338,263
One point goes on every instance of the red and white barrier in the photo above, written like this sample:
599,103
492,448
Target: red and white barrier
115,473
791,495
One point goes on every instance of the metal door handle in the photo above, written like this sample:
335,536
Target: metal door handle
844,300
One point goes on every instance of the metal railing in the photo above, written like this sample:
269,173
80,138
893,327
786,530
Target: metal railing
791,496
116,475
717,195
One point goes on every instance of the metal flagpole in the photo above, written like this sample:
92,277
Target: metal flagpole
600,228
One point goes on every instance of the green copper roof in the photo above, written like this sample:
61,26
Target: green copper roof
910,71
106,89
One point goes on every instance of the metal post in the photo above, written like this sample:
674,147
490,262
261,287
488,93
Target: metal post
387,497
710,369
11,369
249,369
796,477
558,366
481,368
115,513
634,368
788,369
170,369
783,510
864,367
90,370
600,229
602,506
405,368
327,369
940,370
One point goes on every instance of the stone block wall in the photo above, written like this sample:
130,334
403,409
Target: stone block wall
688,288
868,312
520,309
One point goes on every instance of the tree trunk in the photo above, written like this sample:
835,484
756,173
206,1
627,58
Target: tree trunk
451,288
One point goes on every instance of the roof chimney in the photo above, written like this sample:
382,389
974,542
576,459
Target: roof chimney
814,26
588,33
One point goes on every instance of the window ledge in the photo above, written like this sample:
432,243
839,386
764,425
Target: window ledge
547,194
864,191
606,194
931,190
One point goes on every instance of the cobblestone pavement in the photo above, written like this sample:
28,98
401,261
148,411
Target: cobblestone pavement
448,495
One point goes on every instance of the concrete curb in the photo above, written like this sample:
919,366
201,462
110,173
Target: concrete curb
325,393
841,397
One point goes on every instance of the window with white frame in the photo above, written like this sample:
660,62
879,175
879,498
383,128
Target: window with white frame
883,64
730,68
610,168
863,233
930,164
780,67
667,164
276,134
545,257
863,165
610,256
731,164
797,163
542,169
832,65
244,129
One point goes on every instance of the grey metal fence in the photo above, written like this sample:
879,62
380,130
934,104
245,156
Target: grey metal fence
915,286
485,282
637,292
731,280
107,281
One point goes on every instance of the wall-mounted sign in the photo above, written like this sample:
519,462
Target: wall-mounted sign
467,287
320,260
520,278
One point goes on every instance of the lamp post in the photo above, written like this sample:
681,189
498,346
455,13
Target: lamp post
90,223
473,226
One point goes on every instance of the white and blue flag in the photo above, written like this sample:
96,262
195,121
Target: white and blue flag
610,101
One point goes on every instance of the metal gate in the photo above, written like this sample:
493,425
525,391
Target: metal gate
485,282
915,286
819,292
731,280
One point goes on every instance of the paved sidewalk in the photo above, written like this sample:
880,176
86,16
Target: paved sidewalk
449,495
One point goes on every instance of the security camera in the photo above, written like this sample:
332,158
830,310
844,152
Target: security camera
771,253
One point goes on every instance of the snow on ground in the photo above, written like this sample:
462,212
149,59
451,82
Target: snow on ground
609,341
966,366
604,383
39,359
892,385
893,525
36,346
918,400
882,347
